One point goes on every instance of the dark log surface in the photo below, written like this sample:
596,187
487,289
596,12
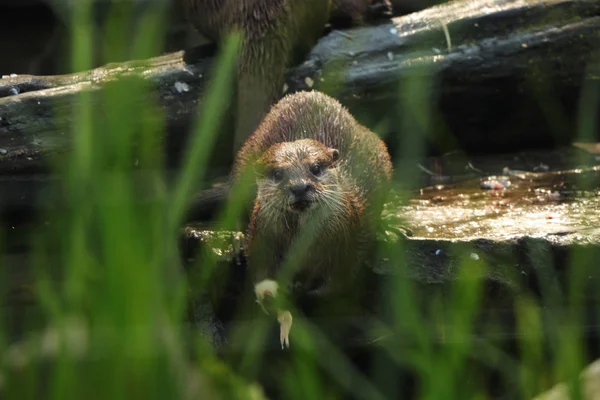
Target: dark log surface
501,52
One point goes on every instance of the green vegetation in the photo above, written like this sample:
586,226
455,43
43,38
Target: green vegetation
114,295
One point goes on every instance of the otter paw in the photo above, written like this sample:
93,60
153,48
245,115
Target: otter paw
266,293
285,324
380,9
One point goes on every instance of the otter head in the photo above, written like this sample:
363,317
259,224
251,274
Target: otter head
297,176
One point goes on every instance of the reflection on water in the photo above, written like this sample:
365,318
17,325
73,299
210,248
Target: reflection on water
533,204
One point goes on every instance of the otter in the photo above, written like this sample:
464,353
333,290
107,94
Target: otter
319,175
276,34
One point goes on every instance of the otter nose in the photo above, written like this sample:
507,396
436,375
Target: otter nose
300,189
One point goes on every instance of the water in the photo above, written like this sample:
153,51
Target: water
534,204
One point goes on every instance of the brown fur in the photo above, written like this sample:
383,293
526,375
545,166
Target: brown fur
302,130
274,32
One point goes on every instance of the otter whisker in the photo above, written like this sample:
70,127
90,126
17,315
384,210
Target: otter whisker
335,221
337,191
332,201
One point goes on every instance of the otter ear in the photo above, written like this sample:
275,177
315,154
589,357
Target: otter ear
335,154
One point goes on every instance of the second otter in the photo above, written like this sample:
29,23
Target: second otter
322,179
276,33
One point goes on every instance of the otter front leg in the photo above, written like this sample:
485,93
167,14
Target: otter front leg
263,262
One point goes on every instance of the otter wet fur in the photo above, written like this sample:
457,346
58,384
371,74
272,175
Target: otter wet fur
276,34
321,174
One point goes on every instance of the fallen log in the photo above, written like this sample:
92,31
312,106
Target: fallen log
494,61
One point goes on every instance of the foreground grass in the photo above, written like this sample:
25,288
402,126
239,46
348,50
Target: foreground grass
115,316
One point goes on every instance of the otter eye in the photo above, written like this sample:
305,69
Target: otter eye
316,169
276,174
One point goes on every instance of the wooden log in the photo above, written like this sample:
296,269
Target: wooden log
499,52
511,80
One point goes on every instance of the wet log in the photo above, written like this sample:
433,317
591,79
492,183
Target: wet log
498,59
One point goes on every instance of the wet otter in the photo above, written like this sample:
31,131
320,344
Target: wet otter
276,33
321,176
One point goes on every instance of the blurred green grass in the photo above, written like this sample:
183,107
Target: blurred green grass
115,317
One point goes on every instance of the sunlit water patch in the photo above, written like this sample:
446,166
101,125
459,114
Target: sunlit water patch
531,204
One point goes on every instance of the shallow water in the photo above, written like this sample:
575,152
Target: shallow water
521,204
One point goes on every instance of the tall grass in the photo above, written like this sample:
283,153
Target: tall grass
113,295
114,315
